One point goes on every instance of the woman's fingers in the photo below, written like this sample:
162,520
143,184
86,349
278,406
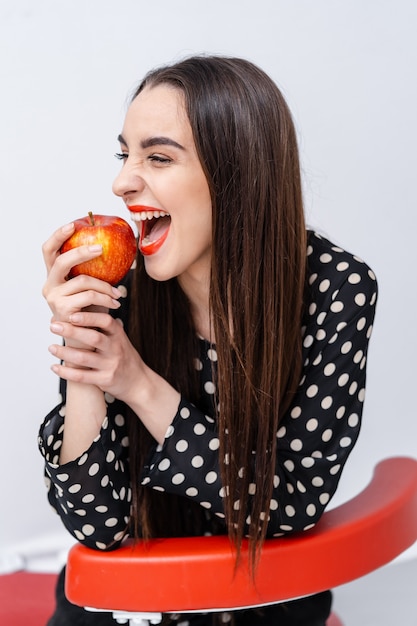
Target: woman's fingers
51,247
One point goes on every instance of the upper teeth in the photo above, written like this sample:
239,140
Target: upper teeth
147,215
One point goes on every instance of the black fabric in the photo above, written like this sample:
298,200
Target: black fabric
310,611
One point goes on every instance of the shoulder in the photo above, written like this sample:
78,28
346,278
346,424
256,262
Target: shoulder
331,268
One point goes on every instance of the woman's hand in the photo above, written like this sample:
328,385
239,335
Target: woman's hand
66,297
113,365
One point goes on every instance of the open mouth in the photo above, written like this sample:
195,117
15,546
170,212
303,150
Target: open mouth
153,227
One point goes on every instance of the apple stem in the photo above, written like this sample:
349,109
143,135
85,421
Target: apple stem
91,216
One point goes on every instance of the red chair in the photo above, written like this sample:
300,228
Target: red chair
139,581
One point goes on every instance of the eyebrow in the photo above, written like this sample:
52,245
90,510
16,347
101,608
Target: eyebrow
155,141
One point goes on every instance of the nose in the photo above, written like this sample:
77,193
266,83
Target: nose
127,183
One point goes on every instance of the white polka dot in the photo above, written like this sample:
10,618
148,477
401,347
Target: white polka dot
88,530
281,432
327,402
337,306
358,356
296,412
324,285
80,512
164,465
285,527
191,492
296,445
199,429
334,470
177,479
75,488
307,462
353,420
354,278
312,391
320,334
346,347
290,510
119,420
318,359
251,489
312,424
212,354
325,258
329,369
105,481
311,510
206,505
112,521
62,477
342,380
289,465
185,412
342,266
79,535
273,505
94,469
181,445
327,435
110,456
198,365
83,458
301,488
89,497
170,431
101,508
360,299
197,461
317,481
340,412
324,498
345,442
209,387
321,317
308,341
361,395
211,477
214,443
353,388
312,308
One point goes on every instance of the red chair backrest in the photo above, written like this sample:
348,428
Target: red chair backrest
198,573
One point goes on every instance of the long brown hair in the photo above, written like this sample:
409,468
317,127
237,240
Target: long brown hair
246,142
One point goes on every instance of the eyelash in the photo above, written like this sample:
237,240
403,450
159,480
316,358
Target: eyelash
122,156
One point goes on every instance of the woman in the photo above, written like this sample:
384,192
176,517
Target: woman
231,395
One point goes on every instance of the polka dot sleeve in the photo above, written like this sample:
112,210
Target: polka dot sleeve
91,494
321,427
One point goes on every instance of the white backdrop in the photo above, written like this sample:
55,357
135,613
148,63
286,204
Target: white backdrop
348,70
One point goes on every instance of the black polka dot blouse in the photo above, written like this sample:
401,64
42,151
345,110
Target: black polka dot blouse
92,494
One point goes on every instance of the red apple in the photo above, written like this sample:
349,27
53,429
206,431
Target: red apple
117,239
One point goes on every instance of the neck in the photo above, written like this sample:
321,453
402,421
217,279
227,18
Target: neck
197,292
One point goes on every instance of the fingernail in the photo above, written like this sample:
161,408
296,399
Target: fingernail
56,328
75,317
68,228
116,302
116,292
95,248
52,350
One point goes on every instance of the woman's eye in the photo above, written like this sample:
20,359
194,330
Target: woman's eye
122,156
158,158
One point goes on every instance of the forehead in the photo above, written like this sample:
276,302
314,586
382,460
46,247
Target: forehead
158,110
